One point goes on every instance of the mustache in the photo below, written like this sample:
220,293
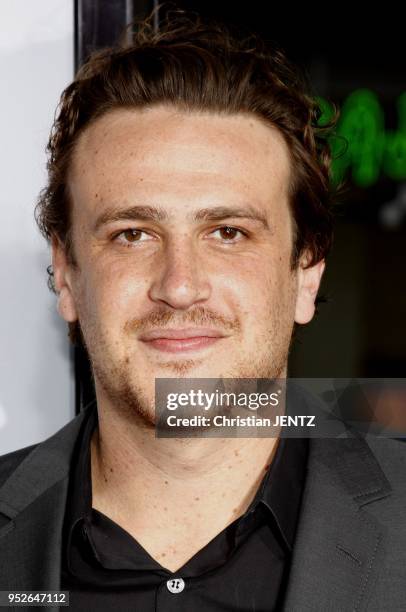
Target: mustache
199,316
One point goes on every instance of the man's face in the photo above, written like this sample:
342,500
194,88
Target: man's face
181,222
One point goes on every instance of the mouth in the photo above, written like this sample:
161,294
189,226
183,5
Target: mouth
181,340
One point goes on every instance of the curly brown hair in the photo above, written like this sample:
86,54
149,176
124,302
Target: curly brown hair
198,65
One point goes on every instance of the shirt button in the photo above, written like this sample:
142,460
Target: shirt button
175,585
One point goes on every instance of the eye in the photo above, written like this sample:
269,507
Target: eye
131,235
228,233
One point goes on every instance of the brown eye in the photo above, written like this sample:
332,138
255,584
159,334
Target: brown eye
229,234
132,235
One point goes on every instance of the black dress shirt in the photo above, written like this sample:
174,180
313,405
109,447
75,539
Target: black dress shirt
244,568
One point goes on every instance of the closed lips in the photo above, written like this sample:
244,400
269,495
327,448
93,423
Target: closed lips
181,334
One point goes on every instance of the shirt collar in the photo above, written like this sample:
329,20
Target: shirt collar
79,505
279,493
282,486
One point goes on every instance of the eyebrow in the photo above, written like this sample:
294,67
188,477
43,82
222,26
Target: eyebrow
155,213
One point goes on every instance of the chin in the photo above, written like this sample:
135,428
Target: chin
181,368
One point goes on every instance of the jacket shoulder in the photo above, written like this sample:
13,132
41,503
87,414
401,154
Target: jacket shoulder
29,472
10,461
50,457
391,455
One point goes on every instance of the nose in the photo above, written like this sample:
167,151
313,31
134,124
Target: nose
180,280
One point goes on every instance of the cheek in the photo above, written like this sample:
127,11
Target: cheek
268,296
109,298
258,280
246,293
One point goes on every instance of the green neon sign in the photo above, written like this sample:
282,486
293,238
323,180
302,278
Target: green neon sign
362,146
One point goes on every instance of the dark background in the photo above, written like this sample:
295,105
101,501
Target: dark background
361,330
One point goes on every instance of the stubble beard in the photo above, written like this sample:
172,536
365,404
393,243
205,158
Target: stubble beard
130,398
132,401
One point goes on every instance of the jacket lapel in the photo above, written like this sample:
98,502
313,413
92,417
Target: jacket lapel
32,507
338,545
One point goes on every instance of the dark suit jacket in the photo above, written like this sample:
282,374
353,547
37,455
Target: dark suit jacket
350,547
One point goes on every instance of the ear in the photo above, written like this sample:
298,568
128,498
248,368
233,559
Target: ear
63,282
308,286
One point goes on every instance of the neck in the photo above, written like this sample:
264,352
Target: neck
172,495
134,473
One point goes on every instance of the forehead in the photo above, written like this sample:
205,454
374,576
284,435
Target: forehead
170,156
